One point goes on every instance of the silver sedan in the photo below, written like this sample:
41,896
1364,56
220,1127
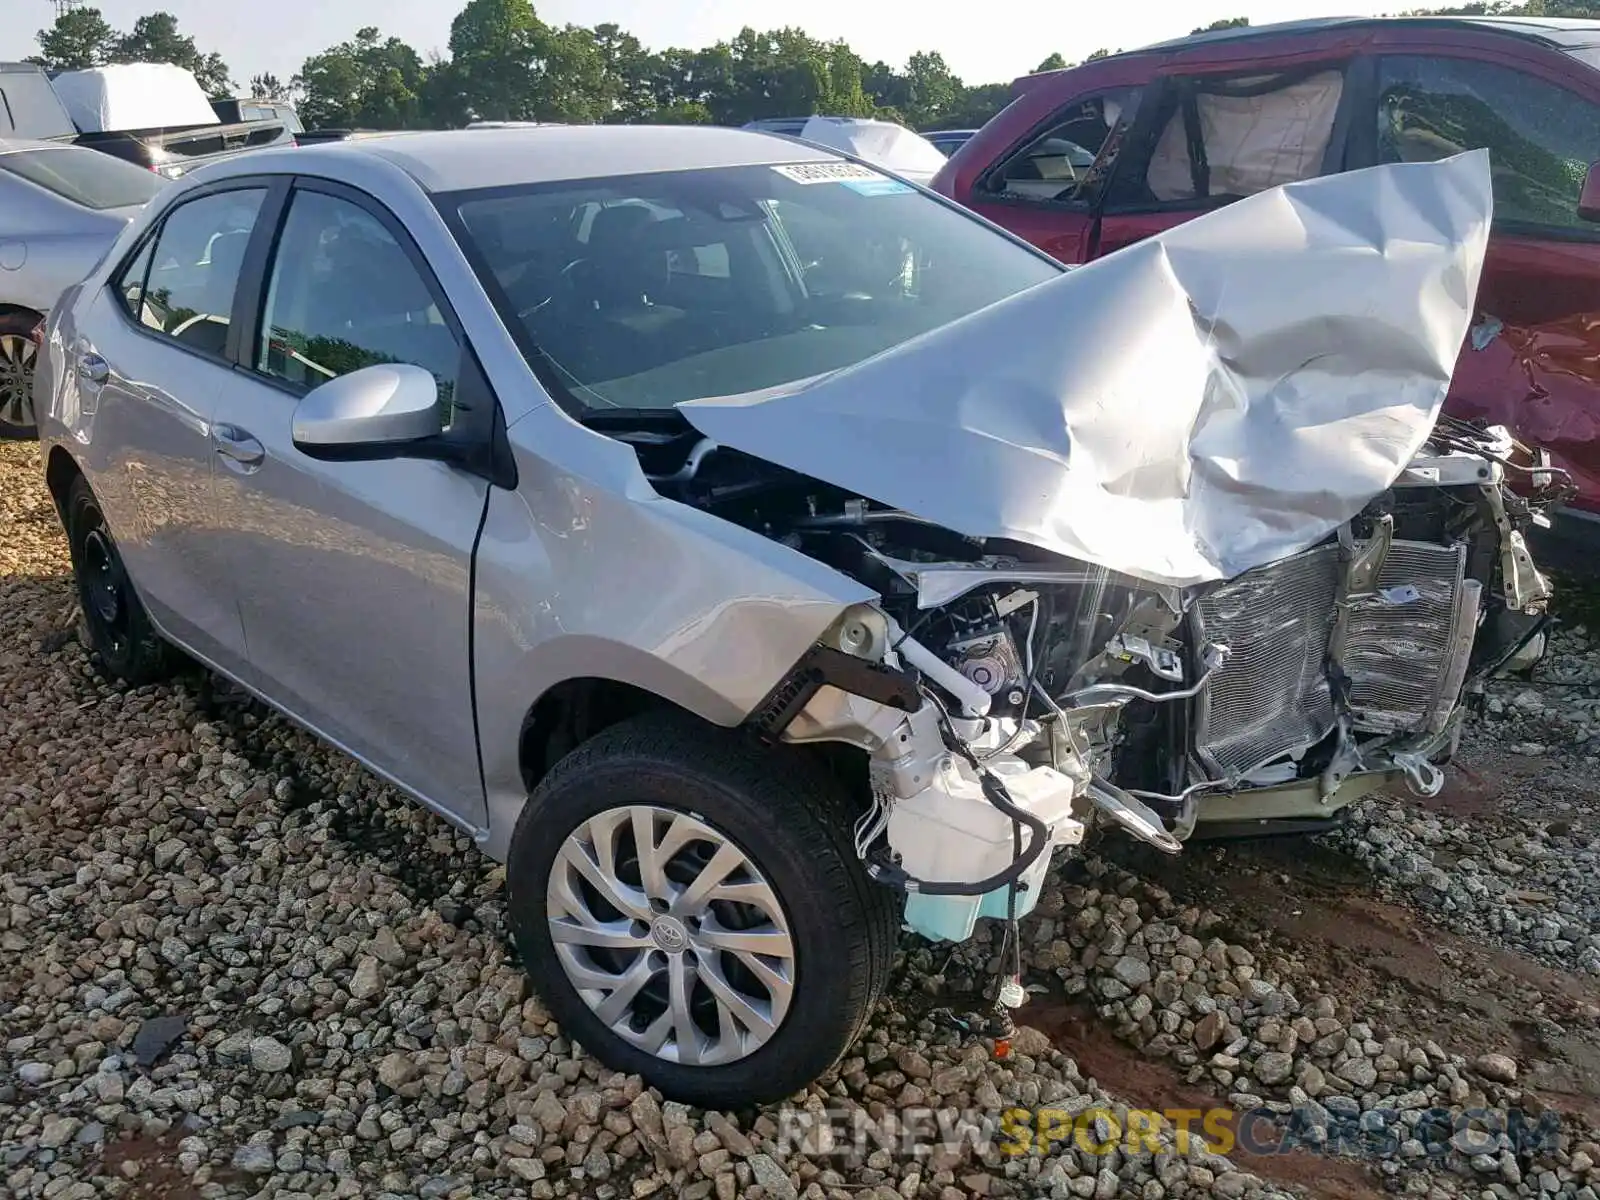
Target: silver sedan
61,207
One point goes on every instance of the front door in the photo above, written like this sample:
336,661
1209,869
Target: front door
166,316
1046,192
354,577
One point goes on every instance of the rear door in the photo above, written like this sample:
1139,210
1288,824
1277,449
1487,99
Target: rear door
1531,360
153,358
1204,140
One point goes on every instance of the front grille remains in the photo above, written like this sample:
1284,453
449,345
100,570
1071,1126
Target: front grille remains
1403,649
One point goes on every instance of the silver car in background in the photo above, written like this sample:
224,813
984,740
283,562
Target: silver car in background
754,551
61,208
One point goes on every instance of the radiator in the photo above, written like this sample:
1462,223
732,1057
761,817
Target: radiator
1403,649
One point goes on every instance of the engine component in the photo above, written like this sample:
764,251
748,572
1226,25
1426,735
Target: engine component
989,658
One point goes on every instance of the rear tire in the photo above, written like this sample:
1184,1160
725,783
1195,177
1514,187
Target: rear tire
709,802
120,632
19,352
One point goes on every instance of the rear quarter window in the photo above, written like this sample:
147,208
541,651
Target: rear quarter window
87,178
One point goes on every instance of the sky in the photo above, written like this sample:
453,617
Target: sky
987,43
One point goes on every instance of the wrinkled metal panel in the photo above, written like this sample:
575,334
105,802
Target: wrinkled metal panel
1211,399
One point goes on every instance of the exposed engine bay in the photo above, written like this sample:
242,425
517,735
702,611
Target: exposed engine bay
1010,700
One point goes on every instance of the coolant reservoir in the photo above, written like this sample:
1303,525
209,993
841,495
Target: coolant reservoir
949,832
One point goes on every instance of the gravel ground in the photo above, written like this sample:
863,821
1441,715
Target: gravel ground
232,963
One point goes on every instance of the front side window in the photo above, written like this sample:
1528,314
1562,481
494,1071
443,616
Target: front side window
345,295
194,269
87,178
1227,138
1541,138
1069,162
641,292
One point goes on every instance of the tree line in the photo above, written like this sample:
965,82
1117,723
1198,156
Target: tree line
504,63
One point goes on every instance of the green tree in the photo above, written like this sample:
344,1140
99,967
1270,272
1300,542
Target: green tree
79,38
269,87
1100,53
1225,23
369,82
629,73
1054,63
155,38
507,65
978,104
932,90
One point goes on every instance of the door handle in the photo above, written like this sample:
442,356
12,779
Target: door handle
237,444
93,368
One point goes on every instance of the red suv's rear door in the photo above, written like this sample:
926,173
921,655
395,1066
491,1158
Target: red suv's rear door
1210,136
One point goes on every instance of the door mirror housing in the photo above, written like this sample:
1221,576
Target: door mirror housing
1589,201
384,411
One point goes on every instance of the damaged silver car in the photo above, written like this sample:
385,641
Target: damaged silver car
759,554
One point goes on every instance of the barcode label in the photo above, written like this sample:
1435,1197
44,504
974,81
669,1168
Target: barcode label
826,172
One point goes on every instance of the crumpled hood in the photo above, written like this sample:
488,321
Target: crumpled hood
1194,405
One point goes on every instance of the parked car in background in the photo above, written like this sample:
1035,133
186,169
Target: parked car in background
391,431
948,141
154,115
241,110
61,208
1087,160
881,143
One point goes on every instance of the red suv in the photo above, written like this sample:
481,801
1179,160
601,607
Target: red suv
1086,160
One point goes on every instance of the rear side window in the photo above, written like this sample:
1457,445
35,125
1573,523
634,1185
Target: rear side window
85,177
1069,162
1541,138
1227,138
191,271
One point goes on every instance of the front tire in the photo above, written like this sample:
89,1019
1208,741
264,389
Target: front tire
692,910
120,632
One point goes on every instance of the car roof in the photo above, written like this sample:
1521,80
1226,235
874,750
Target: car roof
467,160
1564,32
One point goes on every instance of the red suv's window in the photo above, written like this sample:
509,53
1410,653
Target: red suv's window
1226,138
1067,163
1541,138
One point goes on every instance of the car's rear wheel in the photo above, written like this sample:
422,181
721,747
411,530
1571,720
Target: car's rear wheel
692,909
18,351
120,632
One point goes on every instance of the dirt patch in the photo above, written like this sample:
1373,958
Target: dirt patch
149,1169
1302,900
1152,1084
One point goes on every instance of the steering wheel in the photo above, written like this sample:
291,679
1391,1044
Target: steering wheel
565,289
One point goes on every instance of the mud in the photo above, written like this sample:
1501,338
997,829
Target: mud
1153,1084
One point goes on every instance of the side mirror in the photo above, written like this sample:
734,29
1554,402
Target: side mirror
376,412
1589,200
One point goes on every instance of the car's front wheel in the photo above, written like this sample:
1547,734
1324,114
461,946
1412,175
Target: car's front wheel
19,348
693,911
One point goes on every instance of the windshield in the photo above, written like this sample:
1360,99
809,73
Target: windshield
85,177
644,291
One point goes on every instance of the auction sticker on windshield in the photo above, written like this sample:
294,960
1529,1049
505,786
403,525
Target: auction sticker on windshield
830,172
